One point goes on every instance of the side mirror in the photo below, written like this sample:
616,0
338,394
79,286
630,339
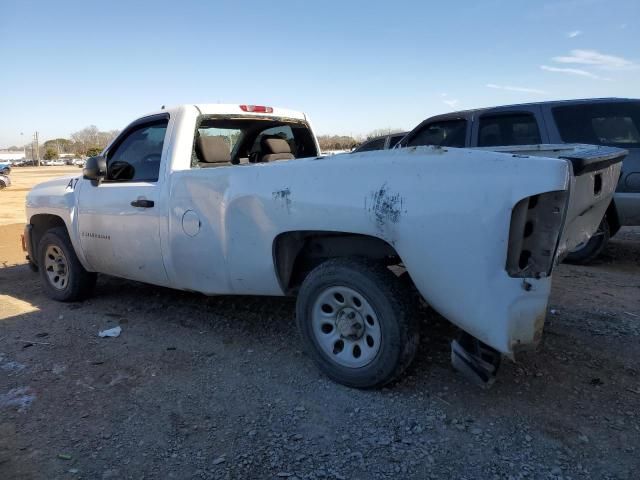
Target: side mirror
95,169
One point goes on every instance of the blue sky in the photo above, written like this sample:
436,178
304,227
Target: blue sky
353,66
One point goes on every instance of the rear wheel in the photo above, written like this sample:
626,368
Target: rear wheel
62,275
2,184
590,250
6,171
357,322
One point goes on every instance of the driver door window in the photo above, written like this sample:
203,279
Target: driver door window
136,158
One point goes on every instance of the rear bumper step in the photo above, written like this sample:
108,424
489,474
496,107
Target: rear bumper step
475,360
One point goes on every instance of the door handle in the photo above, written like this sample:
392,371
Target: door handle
142,203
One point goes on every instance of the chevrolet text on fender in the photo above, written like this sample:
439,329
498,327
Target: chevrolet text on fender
234,199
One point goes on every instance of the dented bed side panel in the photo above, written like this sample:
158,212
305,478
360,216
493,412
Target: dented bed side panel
445,211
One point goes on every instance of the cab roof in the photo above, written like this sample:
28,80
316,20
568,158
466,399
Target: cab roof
465,113
236,109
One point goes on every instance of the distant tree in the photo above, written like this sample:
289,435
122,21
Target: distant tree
88,135
379,132
336,142
79,149
50,153
93,151
91,137
111,134
61,145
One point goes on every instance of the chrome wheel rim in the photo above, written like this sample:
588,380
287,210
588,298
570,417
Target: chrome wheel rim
346,327
56,267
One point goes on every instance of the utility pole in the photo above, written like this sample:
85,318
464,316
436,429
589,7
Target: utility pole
37,149
24,147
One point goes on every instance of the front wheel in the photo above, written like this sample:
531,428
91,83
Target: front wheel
587,252
62,275
357,322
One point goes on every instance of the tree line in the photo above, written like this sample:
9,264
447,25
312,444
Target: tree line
348,142
90,141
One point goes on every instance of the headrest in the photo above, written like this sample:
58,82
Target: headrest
213,149
276,145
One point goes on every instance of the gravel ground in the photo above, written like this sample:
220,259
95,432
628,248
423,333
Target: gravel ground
198,387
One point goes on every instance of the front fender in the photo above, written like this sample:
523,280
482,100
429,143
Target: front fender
58,198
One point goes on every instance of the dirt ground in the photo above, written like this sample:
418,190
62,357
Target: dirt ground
198,387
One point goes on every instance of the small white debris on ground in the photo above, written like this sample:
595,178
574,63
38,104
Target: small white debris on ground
21,397
111,332
10,365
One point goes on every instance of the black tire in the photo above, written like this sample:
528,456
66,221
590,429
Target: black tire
6,171
79,283
2,185
593,248
393,307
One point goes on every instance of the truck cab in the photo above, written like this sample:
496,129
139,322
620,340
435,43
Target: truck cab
120,221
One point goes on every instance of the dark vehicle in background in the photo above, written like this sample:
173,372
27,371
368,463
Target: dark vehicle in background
612,122
29,163
384,142
5,181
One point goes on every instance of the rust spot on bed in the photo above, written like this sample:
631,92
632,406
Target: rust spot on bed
384,206
283,197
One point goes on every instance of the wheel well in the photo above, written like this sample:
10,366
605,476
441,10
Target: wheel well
295,254
40,224
612,218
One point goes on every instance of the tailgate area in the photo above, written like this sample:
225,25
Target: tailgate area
596,173
594,176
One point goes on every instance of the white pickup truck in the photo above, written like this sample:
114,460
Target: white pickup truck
234,199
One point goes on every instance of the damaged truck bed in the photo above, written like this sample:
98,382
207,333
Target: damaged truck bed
478,232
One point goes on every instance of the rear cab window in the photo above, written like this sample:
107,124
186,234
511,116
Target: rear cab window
615,124
284,132
445,133
221,141
508,129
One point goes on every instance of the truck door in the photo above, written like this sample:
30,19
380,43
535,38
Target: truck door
517,125
119,219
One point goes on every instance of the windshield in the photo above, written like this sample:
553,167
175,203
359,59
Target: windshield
613,124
